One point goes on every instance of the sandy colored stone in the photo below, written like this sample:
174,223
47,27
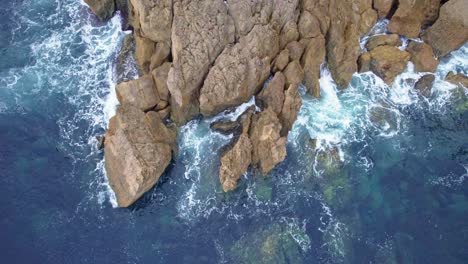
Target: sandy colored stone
450,31
412,15
457,79
312,59
102,8
235,162
160,80
273,94
292,105
154,19
422,57
160,54
383,7
294,73
381,40
296,49
281,61
140,93
387,62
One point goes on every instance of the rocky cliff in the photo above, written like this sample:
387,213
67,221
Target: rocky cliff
204,57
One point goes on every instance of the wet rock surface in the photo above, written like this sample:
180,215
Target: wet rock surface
424,85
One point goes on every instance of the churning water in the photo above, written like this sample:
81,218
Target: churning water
374,174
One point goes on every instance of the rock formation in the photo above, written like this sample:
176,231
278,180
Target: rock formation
424,85
204,57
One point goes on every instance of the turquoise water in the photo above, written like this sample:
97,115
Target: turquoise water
384,181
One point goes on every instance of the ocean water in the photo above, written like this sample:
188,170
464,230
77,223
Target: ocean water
374,174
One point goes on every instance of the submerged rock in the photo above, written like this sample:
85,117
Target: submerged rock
135,155
424,85
104,9
450,31
457,79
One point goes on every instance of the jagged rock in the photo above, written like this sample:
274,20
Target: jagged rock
424,85
450,31
381,40
296,49
240,71
312,59
134,159
288,34
160,80
140,93
154,18
124,59
247,14
457,79
143,52
412,15
281,61
364,62
201,31
161,133
294,73
422,57
101,141
104,9
387,62
292,105
383,7
273,94
268,147
160,54
164,113
309,26
235,162
368,19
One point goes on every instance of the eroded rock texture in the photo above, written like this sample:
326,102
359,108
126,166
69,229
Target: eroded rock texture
204,57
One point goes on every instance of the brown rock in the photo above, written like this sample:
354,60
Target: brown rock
368,20
450,31
144,51
240,71
268,147
383,7
160,80
273,94
201,31
160,132
288,34
412,15
160,54
422,57
296,49
235,162
387,62
381,40
134,159
104,9
140,93
457,79
281,61
364,62
309,26
292,105
225,127
164,113
313,58
154,19
294,73
424,85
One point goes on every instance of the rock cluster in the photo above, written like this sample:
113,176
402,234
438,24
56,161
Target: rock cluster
204,57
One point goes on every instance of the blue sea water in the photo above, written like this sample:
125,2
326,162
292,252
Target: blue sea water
383,181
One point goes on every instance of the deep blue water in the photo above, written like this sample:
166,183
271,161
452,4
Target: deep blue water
385,181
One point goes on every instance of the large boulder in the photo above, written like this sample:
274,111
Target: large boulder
143,51
294,73
102,8
160,80
153,19
235,162
387,62
422,57
457,79
412,15
381,40
140,93
201,31
311,61
450,31
240,71
273,93
292,105
268,147
135,155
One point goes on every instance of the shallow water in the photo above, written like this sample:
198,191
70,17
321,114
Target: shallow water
384,181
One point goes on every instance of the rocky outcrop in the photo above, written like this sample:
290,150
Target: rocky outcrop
135,155
140,93
457,79
450,31
422,57
412,15
201,31
269,148
385,61
384,7
424,85
273,94
102,8
312,59
381,40
235,162
153,19
292,105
